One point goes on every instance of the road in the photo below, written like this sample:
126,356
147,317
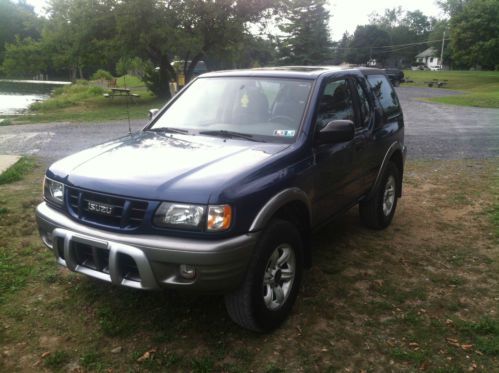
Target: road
433,131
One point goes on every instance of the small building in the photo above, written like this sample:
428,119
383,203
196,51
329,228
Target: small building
429,57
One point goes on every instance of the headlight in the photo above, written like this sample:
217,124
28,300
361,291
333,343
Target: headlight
183,216
53,191
176,215
219,218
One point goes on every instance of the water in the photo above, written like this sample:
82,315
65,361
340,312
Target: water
17,96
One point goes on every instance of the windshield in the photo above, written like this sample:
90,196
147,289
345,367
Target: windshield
265,109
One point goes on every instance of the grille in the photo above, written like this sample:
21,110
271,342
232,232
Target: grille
110,211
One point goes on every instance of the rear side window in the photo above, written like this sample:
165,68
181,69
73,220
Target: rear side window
364,107
385,94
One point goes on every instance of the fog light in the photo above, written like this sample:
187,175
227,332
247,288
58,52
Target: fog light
188,272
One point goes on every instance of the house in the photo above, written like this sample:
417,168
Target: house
429,57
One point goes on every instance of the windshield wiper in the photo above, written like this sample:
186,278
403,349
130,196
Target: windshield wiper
169,129
229,134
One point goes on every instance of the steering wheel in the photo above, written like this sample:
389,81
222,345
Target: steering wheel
282,119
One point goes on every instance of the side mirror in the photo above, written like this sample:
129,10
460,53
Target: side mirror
152,113
336,131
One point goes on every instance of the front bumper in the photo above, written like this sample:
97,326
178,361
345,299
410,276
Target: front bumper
145,261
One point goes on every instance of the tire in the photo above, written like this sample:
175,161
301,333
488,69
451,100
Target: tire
396,83
374,213
255,305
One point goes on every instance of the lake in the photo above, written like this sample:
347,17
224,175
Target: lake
17,96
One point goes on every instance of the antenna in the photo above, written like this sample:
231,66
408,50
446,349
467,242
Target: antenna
127,109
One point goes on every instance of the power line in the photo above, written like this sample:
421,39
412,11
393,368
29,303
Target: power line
398,46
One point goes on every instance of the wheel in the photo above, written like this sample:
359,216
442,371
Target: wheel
378,211
269,290
396,83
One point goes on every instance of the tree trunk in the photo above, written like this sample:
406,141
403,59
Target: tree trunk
192,65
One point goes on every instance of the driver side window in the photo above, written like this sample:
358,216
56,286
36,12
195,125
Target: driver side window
335,103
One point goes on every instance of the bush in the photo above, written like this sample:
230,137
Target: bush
102,75
68,96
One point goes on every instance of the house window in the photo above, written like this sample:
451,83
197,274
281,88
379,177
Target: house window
431,60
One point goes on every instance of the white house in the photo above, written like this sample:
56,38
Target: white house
429,57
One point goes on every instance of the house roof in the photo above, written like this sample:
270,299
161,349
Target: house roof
430,52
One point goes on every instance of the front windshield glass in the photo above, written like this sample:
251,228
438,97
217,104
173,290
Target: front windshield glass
265,108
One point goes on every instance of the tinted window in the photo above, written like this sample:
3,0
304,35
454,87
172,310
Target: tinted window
385,94
364,108
335,103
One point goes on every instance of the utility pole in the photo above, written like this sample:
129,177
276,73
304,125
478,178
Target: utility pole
442,51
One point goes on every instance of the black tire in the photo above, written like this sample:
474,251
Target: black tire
371,211
396,83
246,306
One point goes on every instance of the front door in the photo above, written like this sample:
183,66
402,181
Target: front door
337,182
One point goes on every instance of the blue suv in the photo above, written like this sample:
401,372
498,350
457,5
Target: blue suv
222,189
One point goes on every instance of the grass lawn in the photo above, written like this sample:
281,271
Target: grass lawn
16,172
421,295
481,88
86,103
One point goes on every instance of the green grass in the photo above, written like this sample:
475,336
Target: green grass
480,88
17,170
56,360
84,102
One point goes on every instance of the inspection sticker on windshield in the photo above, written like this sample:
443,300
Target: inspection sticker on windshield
284,133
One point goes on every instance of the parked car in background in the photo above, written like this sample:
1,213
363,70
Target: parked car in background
224,187
396,76
436,68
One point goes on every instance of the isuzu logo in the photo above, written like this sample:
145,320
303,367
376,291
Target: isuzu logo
100,208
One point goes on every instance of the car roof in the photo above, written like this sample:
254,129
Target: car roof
298,72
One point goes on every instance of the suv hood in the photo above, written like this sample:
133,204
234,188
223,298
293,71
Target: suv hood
159,166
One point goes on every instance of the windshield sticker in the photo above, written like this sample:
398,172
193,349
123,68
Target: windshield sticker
284,133
244,101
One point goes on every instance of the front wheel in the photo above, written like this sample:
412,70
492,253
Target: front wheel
271,284
378,211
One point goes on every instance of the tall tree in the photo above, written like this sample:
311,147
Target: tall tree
161,30
17,19
307,40
25,58
452,7
475,34
368,42
79,34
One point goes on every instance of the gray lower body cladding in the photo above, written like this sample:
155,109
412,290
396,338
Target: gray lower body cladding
145,262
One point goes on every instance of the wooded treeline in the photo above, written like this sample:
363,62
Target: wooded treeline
77,37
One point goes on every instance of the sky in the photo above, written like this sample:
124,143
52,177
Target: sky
347,14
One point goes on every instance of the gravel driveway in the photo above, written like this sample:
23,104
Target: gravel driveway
433,131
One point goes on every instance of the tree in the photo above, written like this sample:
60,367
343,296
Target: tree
189,30
452,7
25,58
417,22
475,34
17,20
307,40
368,42
80,35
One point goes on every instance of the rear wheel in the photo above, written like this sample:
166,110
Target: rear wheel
378,211
271,284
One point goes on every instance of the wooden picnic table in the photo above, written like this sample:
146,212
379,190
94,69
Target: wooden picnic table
126,92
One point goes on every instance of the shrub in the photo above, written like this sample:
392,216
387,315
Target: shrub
102,75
